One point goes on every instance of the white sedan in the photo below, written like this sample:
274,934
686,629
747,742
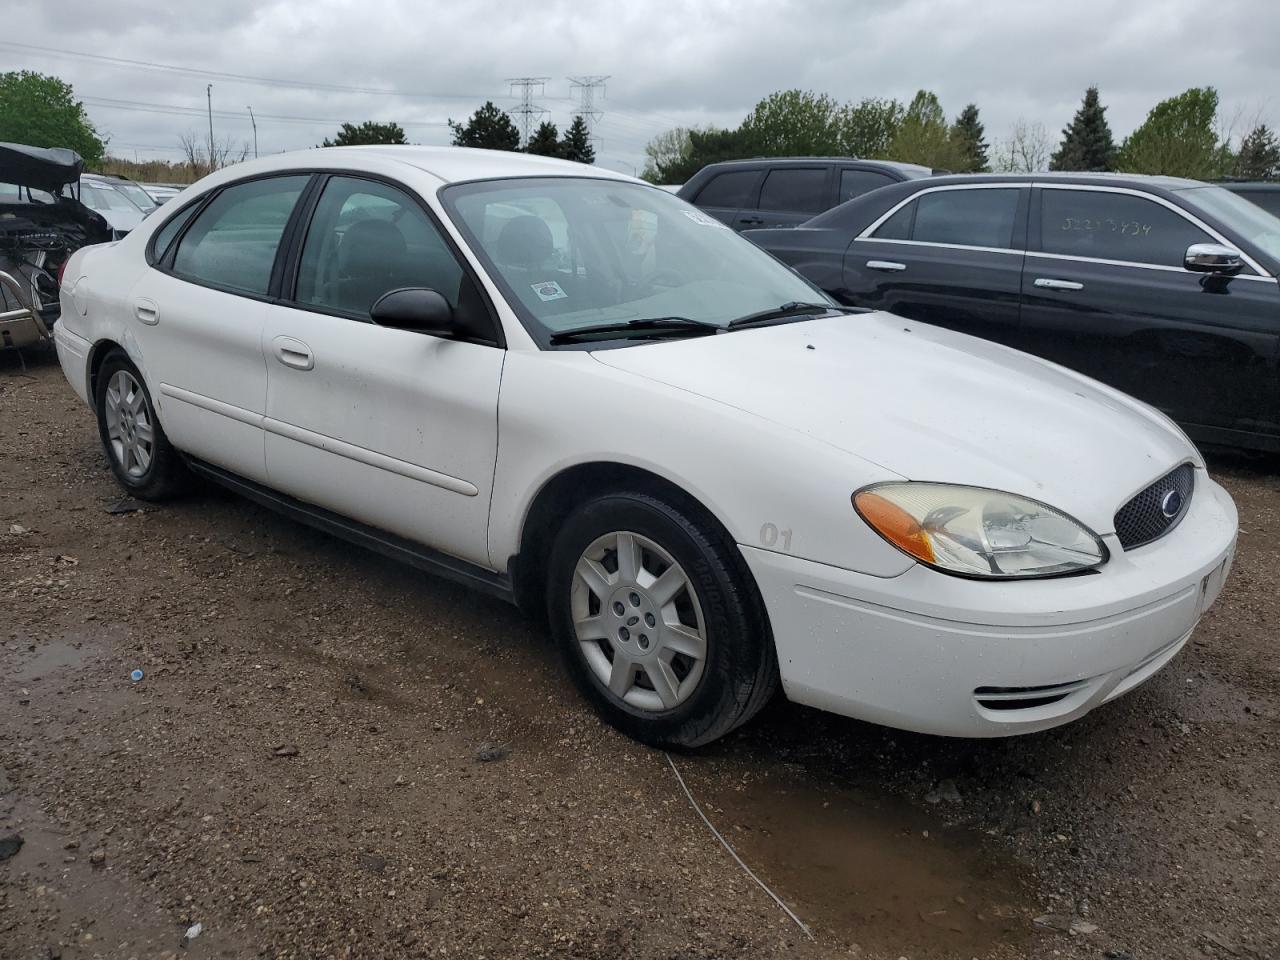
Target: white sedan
573,390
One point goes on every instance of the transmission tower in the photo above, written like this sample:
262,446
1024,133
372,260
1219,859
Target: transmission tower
585,88
527,113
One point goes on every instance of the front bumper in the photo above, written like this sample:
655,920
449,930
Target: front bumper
938,654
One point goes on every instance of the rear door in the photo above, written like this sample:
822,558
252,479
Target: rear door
950,256
726,194
1104,292
790,195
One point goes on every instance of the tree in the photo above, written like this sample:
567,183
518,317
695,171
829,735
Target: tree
968,133
794,123
1086,142
576,144
545,141
371,131
204,157
1178,138
705,146
1025,151
42,111
489,128
923,135
665,150
1259,156
868,128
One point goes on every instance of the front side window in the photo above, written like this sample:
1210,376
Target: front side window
801,190
233,242
968,218
367,239
854,183
732,189
577,252
1115,226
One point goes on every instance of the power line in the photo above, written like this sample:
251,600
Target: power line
527,110
142,106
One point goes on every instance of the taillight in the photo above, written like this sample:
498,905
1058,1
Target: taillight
61,270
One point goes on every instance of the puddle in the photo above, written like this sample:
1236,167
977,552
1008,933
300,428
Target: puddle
52,657
864,872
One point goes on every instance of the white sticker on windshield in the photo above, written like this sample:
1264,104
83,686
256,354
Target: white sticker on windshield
702,218
548,290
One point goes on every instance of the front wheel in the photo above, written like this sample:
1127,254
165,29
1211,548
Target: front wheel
659,621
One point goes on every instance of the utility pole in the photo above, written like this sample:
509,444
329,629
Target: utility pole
255,132
208,94
585,87
528,111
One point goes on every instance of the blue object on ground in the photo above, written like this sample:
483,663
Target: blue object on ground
135,676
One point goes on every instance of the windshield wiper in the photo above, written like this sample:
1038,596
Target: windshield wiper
792,308
642,328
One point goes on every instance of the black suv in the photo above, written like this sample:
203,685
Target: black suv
1265,193
786,191
1161,287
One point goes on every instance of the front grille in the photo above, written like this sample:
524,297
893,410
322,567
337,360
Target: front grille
1148,515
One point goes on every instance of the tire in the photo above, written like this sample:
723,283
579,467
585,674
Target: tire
141,457
602,607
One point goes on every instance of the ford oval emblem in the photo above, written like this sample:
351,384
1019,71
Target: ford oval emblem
1171,505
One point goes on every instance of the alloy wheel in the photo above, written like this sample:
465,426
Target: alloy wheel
129,424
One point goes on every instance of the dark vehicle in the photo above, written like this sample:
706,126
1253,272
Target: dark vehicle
1163,288
42,222
787,191
1265,193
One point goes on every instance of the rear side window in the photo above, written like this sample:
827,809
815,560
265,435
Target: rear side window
728,189
1114,226
969,218
801,190
232,243
854,183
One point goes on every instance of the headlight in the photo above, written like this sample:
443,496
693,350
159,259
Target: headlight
974,532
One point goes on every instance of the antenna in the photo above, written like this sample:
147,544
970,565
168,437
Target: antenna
528,112
585,87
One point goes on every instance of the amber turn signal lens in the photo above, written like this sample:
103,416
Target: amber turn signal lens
894,524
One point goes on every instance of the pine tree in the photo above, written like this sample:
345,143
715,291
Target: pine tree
1086,143
1259,156
576,144
545,141
968,133
488,128
365,133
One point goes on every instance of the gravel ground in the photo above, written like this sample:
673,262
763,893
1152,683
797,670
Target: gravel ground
333,756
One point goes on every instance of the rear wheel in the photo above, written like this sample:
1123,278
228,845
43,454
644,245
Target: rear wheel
659,621
141,457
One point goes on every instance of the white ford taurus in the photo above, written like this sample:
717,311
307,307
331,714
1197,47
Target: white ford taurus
573,390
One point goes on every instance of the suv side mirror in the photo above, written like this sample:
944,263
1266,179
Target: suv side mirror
415,308
1213,258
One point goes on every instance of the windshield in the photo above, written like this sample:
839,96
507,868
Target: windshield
100,197
1250,221
576,253
141,199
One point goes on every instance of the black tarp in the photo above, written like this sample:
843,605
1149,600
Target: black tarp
41,168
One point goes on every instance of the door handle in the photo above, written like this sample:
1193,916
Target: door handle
750,221
1048,284
146,311
888,266
293,353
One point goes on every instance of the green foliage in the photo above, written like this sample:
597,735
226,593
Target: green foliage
1259,156
1086,142
705,146
793,123
867,128
576,144
545,141
489,128
42,111
969,136
368,132
924,137
664,151
1178,138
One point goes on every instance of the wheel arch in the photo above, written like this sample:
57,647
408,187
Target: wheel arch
97,354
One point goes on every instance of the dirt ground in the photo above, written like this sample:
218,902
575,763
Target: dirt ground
333,756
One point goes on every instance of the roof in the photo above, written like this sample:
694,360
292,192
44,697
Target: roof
1103,179
1251,186
914,169
41,168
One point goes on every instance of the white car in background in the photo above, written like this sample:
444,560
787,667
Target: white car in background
571,389
105,196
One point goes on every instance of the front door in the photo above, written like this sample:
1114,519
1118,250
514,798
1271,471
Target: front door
394,428
1104,292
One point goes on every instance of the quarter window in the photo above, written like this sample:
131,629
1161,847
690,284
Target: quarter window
731,189
854,183
233,242
799,190
165,235
1114,226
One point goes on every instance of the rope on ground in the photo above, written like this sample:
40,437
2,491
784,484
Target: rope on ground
733,853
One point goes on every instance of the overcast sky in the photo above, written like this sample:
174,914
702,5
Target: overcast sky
419,63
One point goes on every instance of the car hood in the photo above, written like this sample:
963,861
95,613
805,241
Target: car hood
929,404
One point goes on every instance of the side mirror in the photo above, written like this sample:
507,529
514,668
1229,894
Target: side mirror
415,308
1213,258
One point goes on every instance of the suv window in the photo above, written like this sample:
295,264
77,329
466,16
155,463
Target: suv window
233,242
966,217
366,239
731,189
854,183
1114,226
796,190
